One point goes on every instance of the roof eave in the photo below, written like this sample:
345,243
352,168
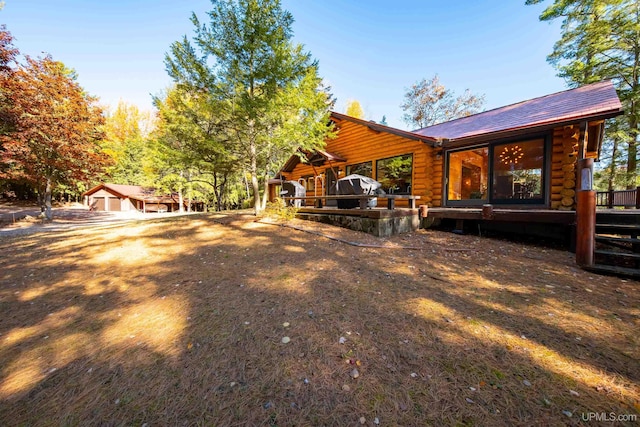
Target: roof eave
513,132
92,190
116,192
103,186
382,128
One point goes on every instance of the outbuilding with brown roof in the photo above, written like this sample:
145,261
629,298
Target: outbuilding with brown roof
119,197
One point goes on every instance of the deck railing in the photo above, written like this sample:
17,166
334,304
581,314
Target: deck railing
619,198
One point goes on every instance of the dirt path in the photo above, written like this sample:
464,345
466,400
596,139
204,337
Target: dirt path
23,220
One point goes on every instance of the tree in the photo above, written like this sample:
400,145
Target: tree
192,143
612,172
8,54
601,40
266,89
428,102
384,121
126,143
56,134
354,109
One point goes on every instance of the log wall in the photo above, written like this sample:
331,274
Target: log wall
564,157
437,182
357,144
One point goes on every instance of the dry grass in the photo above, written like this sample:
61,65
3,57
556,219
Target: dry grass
179,322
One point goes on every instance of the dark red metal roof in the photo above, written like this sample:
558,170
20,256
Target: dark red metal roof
330,156
597,100
295,159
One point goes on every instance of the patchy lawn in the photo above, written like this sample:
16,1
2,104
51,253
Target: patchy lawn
181,322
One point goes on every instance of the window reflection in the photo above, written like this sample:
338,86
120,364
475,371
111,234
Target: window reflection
468,174
395,174
517,170
360,169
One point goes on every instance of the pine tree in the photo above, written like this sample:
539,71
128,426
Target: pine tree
266,88
601,40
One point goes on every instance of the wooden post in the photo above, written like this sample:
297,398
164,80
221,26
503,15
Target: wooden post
585,215
424,210
487,212
637,197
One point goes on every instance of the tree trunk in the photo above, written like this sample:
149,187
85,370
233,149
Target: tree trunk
253,170
223,188
613,165
189,193
256,193
48,213
246,183
633,119
41,200
216,192
633,149
265,194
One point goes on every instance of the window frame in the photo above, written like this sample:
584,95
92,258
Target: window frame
411,184
543,201
467,202
544,173
348,167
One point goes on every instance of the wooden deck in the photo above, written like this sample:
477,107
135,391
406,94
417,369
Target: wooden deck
504,215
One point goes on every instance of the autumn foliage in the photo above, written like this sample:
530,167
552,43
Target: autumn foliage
55,125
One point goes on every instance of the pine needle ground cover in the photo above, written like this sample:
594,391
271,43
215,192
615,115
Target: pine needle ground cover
223,320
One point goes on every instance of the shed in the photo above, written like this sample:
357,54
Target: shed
119,197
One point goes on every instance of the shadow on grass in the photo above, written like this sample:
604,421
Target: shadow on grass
181,321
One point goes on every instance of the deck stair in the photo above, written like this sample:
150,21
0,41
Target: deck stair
617,249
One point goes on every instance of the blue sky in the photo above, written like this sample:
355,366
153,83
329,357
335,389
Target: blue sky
370,50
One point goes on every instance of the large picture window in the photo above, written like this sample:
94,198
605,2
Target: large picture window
507,173
468,175
364,169
518,170
395,174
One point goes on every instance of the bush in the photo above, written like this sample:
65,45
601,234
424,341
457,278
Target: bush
279,210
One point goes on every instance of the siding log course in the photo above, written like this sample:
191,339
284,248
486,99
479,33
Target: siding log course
358,144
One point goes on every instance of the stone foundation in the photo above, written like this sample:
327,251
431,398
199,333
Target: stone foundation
379,222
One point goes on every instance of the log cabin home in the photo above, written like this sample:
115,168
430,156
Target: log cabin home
520,159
